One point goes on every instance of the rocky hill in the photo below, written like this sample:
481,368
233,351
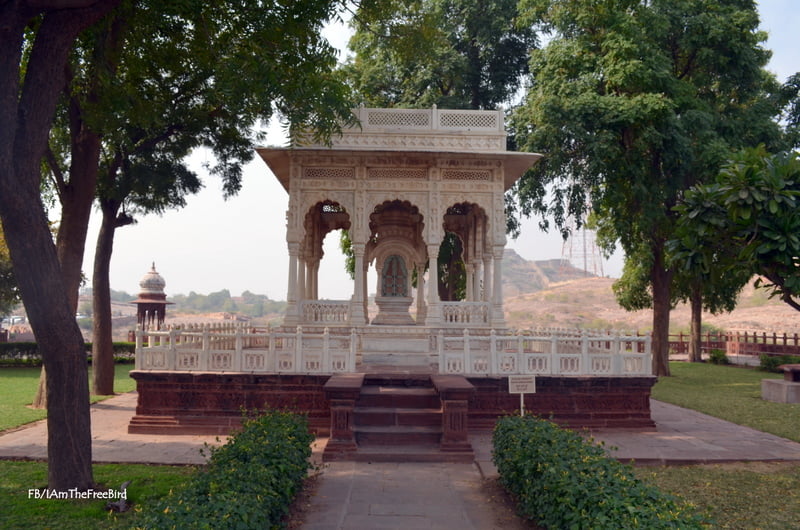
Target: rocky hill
522,276
590,303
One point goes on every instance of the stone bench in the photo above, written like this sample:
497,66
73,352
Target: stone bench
786,390
791,372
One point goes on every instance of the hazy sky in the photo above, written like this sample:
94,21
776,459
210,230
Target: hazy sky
240,244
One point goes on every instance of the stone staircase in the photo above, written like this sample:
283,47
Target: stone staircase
397,417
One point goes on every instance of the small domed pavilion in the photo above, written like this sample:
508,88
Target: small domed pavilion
151,304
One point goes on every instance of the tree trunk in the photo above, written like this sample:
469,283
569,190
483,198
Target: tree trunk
661,279
40,399
102,340
76,197
27,114
76,208
696,343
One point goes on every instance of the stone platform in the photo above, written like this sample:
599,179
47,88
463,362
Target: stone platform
389,415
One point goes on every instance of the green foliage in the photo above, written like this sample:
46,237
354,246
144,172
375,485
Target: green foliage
562,481
791,91
27,353
770,363
250,304
452,272
18,350
9,294
718,357
751,213
248,483
450,53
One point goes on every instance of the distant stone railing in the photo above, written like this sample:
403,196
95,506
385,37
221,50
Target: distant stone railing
545,352
466,313
325,312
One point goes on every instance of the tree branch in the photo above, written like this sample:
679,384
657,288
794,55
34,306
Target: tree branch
55,170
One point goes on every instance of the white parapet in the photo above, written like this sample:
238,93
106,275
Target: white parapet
475,352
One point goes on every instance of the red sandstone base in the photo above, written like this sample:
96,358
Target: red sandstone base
213,403
574,402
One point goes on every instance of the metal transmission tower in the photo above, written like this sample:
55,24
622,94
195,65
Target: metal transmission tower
581,251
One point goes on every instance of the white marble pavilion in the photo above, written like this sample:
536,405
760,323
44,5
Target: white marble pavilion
398,183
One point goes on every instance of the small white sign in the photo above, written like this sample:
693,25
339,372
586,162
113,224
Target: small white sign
522,384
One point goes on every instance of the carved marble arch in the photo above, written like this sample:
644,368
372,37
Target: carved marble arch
321,219
470,223
396,229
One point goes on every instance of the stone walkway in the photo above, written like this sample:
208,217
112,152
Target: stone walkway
366,496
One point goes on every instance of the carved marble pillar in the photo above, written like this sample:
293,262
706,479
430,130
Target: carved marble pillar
477,296
301,285
470,294
291,318
357,312
421,307
498,318
312,269
434,316
487,278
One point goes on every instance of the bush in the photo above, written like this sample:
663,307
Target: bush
248,483
20,354
27,353
718,357
770,363
562,481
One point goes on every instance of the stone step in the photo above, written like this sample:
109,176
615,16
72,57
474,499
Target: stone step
384,358
391,416
405,379
397,435
402,453
398,397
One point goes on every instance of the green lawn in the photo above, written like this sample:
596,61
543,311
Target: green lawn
18,509
18,388
731,393
742,495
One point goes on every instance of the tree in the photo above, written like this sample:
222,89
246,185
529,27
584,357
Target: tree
9,294
751,211
30,84
450,53
632,102
791,93
152,82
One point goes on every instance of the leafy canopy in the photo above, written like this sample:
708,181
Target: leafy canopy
449,53
752,212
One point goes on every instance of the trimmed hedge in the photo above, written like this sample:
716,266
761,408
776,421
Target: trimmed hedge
560,480
770,363
27,353
248,483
